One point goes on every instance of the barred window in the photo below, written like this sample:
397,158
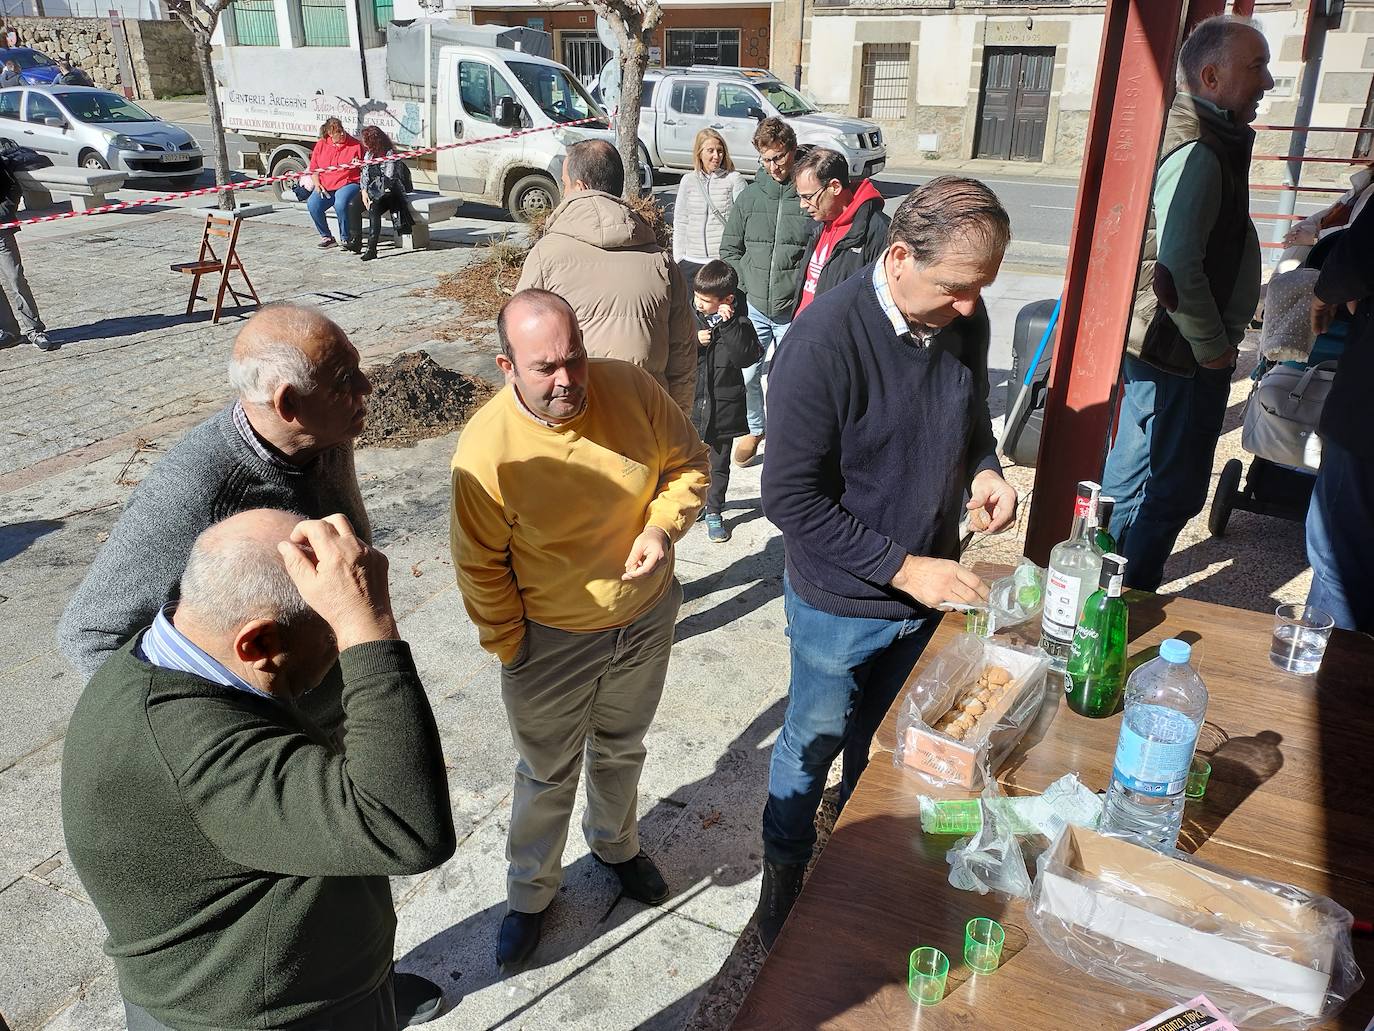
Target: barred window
325,23
254,22
886,74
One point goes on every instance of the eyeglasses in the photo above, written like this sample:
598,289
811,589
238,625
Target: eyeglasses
773,161
807,198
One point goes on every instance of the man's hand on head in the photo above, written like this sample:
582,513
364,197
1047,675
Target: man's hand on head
992,503
342,578
649,549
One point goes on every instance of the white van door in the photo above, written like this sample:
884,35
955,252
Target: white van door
731,105
683,118
479,85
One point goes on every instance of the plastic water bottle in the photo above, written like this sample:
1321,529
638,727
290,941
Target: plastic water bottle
1165,706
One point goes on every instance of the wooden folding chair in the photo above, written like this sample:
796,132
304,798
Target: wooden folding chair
209,263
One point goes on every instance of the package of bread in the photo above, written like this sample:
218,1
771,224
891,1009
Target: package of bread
967,708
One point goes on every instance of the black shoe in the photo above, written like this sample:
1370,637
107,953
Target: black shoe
418,999
640,879
782,883
517,939
370,254
351,245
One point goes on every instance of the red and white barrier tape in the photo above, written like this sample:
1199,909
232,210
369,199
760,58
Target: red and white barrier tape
249,184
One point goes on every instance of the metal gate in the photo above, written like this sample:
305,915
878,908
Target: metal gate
584,55
1015,103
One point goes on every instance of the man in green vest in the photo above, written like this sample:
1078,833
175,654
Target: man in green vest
1197,290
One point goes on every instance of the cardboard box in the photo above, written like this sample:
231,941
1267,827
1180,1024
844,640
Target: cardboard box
959,762
1216,925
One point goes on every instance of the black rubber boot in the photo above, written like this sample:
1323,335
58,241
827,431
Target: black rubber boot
782,883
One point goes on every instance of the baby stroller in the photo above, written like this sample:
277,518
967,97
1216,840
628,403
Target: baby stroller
1280,429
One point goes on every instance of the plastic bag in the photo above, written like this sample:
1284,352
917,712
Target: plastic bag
998,713
1017,598
991,858
1268,955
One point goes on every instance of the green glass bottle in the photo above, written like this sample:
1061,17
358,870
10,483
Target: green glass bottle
1096,673
1102,537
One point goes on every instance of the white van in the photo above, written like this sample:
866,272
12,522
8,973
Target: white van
439,90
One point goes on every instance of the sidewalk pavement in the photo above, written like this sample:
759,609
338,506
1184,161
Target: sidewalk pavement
80,426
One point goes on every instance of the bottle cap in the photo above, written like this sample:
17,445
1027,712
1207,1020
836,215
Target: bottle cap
1114,564
1176,651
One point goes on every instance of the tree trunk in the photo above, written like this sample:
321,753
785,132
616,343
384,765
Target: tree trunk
635,59
201,44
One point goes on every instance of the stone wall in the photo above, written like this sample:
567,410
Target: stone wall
163,59
163,63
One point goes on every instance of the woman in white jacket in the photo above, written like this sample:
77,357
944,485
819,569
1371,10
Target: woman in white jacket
704,199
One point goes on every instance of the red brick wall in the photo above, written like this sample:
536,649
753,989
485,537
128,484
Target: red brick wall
753,23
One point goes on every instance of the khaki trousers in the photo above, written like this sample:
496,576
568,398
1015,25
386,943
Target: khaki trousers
573,694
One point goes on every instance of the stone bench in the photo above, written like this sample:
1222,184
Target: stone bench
87,187
427,209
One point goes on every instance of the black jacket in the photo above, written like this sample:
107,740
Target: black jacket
718,412
1348,275
10,195
860,246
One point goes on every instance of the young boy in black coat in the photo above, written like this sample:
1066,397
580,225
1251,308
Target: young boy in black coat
727,345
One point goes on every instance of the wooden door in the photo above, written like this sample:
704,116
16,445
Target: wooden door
1015,101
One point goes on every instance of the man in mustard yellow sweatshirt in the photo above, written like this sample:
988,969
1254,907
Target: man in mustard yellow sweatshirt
569,489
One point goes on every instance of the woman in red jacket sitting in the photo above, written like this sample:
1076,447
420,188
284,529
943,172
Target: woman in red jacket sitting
339,189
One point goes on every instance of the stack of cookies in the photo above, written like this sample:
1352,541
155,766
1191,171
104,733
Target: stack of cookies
961,722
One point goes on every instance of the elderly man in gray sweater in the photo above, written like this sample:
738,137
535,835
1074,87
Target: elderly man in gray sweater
286,443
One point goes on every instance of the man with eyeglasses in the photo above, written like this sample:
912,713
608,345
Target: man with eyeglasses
852,227
764,241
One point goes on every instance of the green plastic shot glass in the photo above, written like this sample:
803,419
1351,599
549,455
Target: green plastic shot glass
1198,775
983,940
926,975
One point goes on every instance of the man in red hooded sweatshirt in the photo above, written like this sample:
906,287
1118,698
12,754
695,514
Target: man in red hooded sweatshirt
853,228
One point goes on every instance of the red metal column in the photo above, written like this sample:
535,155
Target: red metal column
1135,85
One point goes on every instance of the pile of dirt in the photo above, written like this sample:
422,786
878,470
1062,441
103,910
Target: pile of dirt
482,286
415,398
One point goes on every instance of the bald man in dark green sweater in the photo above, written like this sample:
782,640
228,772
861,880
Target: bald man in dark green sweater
239,862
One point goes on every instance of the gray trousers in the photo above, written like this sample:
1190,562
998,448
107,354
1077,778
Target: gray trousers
28,320
575,695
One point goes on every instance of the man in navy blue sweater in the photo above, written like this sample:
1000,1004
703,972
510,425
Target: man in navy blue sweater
880,426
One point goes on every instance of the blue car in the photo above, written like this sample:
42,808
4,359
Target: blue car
35,67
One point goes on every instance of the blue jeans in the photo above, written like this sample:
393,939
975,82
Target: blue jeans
1160,465
1338,544
845,673
770,335
342,200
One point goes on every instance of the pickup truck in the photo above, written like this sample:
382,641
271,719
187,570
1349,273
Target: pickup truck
679,102
442,86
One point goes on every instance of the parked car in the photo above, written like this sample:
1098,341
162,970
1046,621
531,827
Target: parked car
34,65
94,128
678,102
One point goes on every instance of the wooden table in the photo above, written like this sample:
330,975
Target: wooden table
1290,800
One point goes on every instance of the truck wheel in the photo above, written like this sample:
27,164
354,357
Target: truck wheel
531,196
286,166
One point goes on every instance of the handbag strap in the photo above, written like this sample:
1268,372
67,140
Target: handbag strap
706,196
1300,388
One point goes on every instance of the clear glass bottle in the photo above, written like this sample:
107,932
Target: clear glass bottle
1075,565
1097,664
1102,534
1166,703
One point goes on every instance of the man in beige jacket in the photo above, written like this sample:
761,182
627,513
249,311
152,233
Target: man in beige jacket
600,256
